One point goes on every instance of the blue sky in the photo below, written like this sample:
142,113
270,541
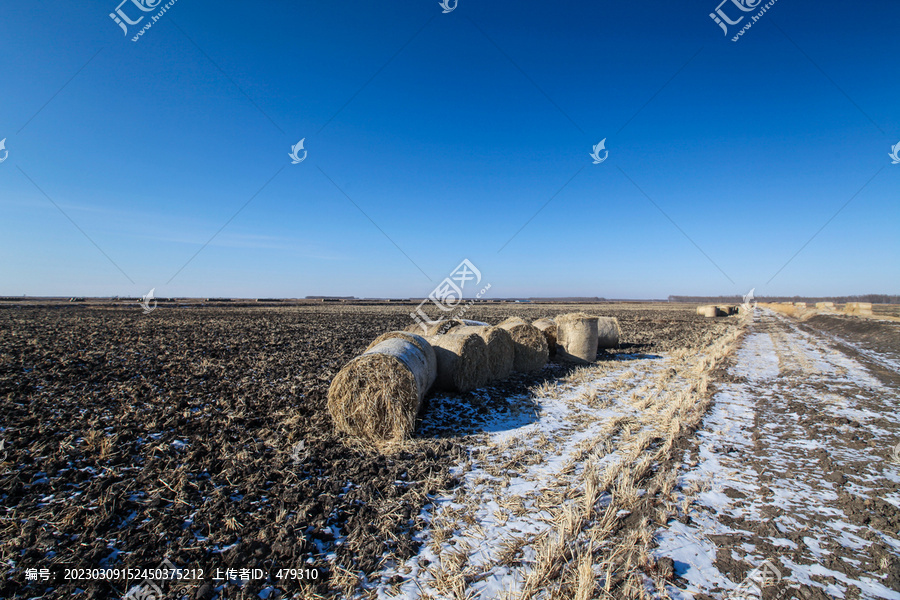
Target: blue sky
435,137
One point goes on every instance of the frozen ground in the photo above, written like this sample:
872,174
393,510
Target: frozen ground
540,490
514,478
792,472
787,487
200,435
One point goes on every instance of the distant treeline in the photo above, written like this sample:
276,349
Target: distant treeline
572,299
873,298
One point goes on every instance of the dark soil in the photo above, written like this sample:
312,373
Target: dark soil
133,438
881,338
805,444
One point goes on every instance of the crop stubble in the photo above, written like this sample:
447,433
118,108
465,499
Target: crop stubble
131,438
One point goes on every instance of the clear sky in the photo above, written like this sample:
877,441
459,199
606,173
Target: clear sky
435,137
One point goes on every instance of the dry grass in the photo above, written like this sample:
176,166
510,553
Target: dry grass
548,389
586,535
97,442
462,363
500,350
598,512
548,328
375,397
530,345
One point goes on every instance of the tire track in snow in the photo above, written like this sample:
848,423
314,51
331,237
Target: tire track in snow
792,469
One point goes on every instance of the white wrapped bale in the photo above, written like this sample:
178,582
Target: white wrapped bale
377,395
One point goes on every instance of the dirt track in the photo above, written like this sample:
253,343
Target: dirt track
794,466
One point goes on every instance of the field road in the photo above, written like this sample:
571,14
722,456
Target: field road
793,479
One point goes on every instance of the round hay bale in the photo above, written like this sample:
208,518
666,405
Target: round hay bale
377,395
500,349
414,338
443,327
530,345
548,328
513,320
608,332
415,328
576,338
710,311
461,361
